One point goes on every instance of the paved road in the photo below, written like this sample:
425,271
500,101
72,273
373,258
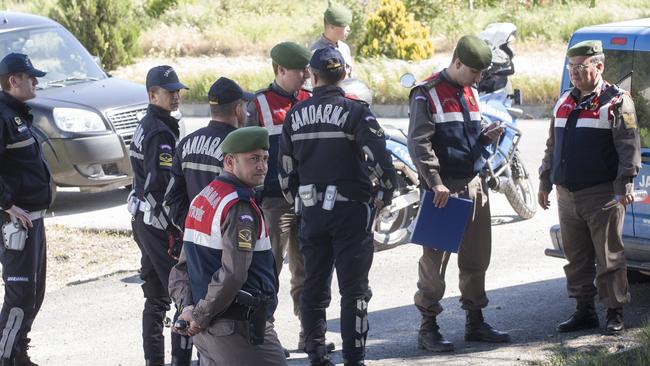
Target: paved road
98,322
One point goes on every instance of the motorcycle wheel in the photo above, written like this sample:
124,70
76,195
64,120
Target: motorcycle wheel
390,228
520,192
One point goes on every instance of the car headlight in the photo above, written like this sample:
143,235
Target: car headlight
78,120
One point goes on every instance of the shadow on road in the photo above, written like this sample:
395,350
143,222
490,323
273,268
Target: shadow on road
70,203
510,309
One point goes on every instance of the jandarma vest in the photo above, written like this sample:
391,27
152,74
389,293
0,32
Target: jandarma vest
272,108
203,241
458,126
584,154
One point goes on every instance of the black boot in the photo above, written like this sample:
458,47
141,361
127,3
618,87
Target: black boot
477,330
614,321
585,317
325,361
429,336
301,343
21,358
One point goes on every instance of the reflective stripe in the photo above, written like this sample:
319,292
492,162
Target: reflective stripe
267,117
321,135
214,242
443,117
14,322
560,102
35,215
455,117
136,155
592,123
560,122
24,143
604,115
202,167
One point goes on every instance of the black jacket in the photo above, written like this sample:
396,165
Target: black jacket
197,161
25,179
152,151
330,139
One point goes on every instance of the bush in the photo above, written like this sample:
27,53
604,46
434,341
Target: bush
107,28
394,33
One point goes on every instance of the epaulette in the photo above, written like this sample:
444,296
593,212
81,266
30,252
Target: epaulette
263,90
355,98
430,83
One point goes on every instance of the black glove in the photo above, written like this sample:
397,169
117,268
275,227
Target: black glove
175,240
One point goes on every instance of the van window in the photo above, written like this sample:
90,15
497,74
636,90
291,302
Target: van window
55,51
641,94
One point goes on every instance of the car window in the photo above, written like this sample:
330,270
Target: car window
641,94
55,51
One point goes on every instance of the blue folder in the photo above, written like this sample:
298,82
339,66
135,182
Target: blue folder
441,228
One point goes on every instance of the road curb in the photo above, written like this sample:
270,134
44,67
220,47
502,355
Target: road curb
380,110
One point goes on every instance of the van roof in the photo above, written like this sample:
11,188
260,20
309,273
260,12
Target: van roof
13,20
629,27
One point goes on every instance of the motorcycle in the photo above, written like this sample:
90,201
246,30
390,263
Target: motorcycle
504,169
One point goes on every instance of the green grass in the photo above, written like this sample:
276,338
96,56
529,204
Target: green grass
594,355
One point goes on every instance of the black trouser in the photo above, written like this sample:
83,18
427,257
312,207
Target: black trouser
23,273
338,238
155,268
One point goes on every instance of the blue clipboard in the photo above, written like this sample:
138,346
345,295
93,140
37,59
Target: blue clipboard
441,228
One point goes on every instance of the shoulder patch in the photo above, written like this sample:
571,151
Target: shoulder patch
18,121
431,83
245,239
165,160
629,119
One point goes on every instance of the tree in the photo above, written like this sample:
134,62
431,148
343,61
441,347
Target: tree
107,28
393,32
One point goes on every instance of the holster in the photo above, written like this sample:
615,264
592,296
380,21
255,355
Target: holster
252,310
14,235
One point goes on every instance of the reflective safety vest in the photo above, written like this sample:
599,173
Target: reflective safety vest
584,154
272,108
203,240
457,119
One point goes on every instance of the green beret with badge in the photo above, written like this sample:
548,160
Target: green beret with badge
290,55
246,139
586,48
473,52
338,15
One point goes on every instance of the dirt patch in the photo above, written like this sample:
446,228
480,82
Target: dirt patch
75,255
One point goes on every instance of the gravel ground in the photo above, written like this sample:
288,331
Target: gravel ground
97,322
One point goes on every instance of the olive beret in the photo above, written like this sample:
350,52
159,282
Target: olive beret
473,52
585,48
338,15
245,139
290,55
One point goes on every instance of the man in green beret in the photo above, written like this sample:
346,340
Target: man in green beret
336,27
446,139
268,109
592,156
225,279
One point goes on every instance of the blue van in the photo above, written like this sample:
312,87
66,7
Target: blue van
627,50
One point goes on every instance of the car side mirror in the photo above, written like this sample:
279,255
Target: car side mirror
407,80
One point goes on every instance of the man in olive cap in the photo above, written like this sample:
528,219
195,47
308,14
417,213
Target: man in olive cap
446,139
151,152
268,109
227,257
336,27
25,195
592,156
